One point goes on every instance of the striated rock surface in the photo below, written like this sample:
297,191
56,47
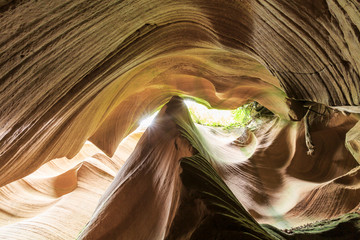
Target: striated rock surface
72,71
185,198
57,200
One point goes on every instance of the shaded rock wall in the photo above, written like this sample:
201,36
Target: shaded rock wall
66,62
72,71
162,193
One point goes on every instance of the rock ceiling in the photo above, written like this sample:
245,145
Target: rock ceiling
73,71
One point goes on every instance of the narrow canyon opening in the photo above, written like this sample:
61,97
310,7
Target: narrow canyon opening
101,138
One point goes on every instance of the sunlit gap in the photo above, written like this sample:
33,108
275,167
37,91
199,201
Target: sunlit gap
228,119
146,122
224,132
143,125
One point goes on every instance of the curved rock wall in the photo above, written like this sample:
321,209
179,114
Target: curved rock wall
72,71
66,62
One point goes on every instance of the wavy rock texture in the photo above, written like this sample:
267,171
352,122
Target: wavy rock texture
187,199
72,71
353,141
57,200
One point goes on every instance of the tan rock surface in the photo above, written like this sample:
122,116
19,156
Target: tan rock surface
72,71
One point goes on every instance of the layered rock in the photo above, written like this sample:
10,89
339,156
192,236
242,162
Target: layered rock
181,182
72,71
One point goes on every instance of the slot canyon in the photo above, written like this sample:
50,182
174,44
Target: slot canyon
78,77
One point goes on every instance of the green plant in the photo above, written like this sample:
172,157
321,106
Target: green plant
242,115
228,119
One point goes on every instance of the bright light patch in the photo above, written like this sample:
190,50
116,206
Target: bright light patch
147,121
206,116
